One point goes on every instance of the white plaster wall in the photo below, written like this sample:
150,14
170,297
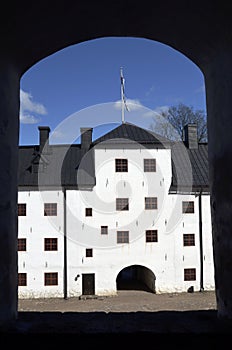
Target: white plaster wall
185,256
167,258
84,232
209,282
35,227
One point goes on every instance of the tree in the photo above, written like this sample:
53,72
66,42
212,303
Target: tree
171,121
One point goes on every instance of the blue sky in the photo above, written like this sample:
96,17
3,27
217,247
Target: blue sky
79,86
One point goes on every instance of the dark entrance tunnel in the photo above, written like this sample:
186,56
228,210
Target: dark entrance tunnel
200,30
136,277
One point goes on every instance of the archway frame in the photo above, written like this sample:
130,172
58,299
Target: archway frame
200,31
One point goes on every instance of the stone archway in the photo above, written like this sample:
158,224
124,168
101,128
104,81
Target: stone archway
136,277
201,30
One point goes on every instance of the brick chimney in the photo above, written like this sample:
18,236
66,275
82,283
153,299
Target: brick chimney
190,136
86,138
44,139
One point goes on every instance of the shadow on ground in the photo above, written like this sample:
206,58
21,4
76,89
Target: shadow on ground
99,327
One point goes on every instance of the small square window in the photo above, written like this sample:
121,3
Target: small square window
104,230
190,274
50,209
188,239
89,252
151,203
22,209
51,278
122,236
22,244
122,204
121,165
187,207
88,212
22,279
50,244
149,165
151,236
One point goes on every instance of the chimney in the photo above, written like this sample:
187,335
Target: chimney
86,138
44,139
190,136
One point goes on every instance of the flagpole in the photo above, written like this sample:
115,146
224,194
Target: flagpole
122,95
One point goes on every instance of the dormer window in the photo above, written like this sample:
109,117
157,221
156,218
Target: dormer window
37,167
39,163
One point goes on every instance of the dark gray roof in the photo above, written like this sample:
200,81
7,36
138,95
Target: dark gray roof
128,132
71,166
189,168
64,165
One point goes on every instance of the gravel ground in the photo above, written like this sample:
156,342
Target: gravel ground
125,301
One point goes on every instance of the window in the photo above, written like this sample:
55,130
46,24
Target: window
50,244
189,239
122,236
122,204
38,167
188,207
151,203
149,165
189,274
104,230
22,209
22,279
89,252
121,165
88,212
50,209
151,236
22,244
51,278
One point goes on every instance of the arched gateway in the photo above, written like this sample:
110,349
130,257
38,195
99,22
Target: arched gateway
136,277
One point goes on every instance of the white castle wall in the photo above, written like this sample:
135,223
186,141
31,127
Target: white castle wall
35,227
166,258
208,264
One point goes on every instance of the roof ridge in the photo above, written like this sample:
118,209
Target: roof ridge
133,132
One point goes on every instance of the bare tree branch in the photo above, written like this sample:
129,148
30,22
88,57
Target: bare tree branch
171,123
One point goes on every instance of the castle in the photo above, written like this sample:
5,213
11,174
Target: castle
129,205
